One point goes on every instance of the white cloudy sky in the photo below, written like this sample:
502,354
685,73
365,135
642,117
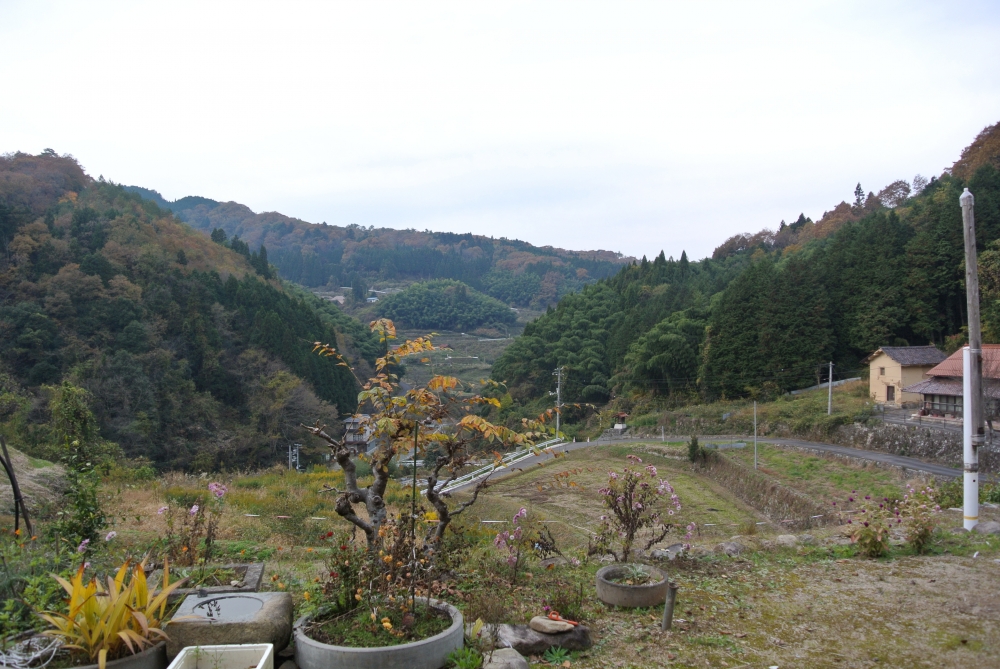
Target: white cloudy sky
627,126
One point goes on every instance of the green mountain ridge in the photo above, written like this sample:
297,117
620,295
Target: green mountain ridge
314,255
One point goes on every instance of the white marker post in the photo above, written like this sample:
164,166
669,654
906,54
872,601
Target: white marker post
972,370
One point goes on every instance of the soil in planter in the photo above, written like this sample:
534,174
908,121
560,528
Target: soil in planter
631,576
356,628
67,659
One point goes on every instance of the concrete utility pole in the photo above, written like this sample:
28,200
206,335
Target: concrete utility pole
829,391
972,369
558,374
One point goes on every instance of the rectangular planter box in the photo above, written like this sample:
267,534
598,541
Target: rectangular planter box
252,574
237,656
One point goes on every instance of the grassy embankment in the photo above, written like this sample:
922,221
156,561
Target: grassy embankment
801,415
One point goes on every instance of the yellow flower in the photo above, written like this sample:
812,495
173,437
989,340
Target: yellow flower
309,550
386,624
17,532
307,596
357,597
373,616
388,578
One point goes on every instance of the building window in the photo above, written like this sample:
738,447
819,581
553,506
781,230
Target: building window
881,371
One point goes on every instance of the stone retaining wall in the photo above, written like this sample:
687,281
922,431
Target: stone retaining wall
931,445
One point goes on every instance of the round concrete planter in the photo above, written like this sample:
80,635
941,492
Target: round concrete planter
631,596
151,658
429,653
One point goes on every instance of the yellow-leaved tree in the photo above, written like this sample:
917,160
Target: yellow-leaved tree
439,417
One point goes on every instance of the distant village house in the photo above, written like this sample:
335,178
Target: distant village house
893,369
941,392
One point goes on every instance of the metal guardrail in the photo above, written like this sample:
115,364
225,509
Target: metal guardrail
510,459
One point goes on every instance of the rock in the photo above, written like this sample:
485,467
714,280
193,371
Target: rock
548,626
786,540
527,641
505,658
730,548
988,527
554,561
270,622
958,530
668,553
289,664
806,538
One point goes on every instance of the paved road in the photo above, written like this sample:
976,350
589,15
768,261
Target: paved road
874,456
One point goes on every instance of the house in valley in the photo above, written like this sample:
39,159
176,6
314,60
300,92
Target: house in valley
941,391
892,369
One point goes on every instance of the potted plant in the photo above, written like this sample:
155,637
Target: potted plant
117,626
631,499
371,618
229,656
372,615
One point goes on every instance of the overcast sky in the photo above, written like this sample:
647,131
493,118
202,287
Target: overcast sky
632,127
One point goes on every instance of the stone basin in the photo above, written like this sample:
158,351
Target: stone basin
238,618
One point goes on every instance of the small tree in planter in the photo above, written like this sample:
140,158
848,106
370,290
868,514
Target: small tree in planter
437,415
631,499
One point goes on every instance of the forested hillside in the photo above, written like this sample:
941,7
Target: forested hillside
314,255
769,309
190,353
446,305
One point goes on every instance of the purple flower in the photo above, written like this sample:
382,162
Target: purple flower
868,496
161,510
217,489
83,546
194,509
111,535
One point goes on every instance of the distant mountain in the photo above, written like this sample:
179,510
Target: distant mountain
319,254
191,354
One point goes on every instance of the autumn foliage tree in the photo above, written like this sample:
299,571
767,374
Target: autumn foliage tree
439,416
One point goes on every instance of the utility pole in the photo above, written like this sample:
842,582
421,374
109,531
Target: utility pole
972,370
829,391
755,434
558,374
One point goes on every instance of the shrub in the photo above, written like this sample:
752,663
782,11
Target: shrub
631,499
870,526
695,451
915,512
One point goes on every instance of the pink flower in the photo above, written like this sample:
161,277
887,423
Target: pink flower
194,509
217,489
111,535
161,510
82,548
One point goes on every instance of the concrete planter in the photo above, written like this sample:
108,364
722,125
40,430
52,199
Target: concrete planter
231,619
251,574
631,596
151,658
234,656
429,653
